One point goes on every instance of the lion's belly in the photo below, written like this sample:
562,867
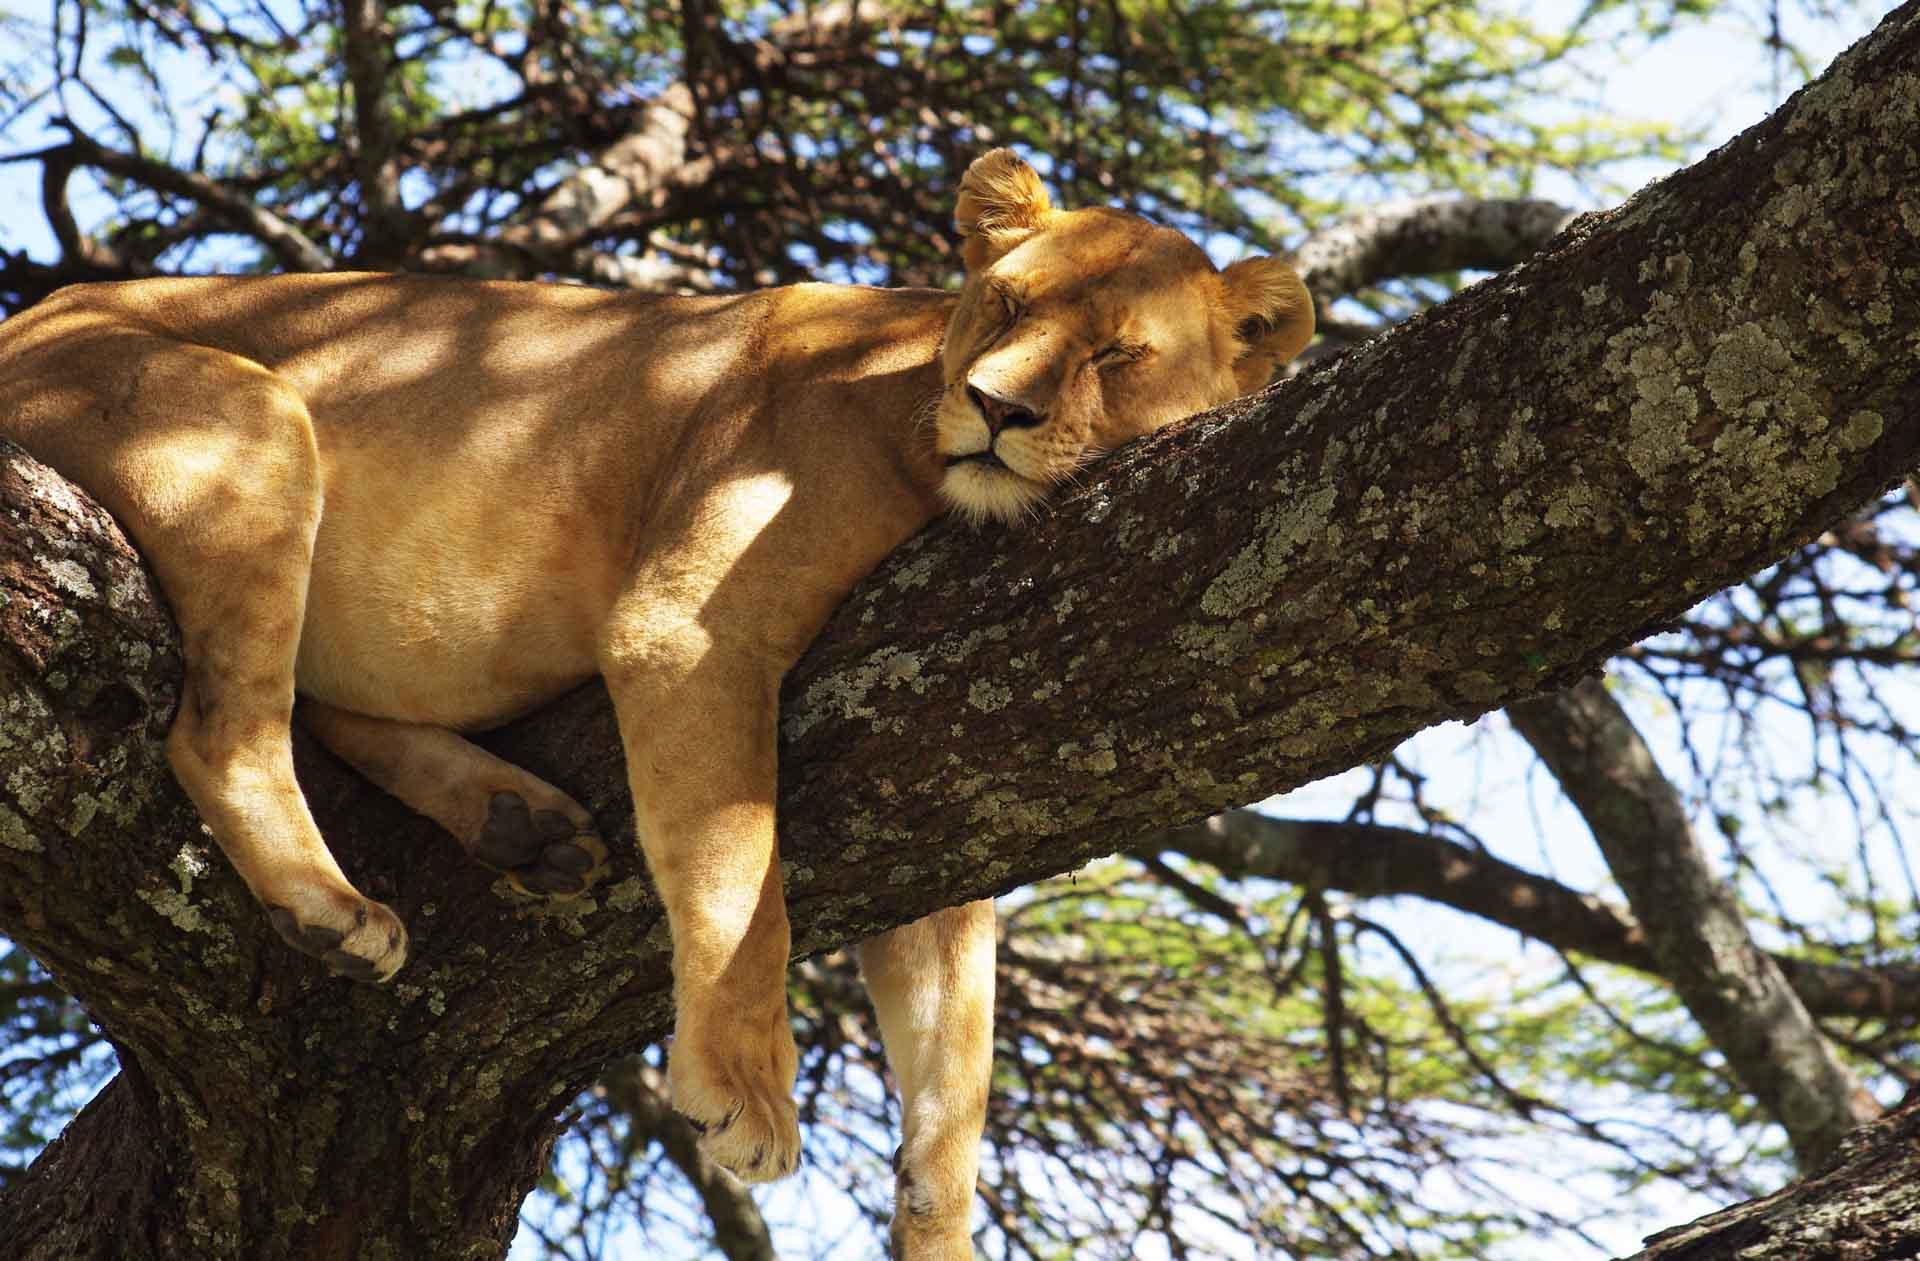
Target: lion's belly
438,600
432,664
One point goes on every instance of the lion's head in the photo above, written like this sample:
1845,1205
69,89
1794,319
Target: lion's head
1077,330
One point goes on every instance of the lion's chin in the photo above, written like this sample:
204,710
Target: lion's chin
989,492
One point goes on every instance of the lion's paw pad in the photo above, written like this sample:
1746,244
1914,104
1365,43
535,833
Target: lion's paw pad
542,852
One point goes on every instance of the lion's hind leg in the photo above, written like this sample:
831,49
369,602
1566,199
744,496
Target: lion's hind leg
506,818
209,461
932,987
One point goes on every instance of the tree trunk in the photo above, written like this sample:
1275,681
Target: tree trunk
1479,506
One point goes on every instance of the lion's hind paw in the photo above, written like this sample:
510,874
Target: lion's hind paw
541,852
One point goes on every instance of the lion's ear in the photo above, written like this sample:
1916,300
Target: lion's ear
1001,203
1271,313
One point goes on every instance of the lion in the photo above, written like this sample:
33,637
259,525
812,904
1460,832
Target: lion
429,505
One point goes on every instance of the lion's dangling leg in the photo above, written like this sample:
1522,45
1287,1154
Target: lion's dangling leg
932,987
506,818
208,460
700,759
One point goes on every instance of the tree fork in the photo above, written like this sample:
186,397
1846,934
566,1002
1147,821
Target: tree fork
1477,507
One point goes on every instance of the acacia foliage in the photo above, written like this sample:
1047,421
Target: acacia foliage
755,143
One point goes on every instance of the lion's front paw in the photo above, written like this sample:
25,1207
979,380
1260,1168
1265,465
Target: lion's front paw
541,852
735,1086
933,1196
355,937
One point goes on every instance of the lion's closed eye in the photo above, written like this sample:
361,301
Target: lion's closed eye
1119,355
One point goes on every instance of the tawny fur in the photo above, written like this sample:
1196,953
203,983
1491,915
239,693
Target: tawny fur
429,506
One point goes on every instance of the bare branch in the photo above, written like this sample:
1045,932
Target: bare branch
1422,236
1372,860
364,29
1692,924
635,170
290,245
739,1231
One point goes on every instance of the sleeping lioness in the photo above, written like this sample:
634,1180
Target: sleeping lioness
430,505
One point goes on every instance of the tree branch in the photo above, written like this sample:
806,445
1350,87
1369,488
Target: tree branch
288,244
1865,1203
739,1231
364,30
638,172
1692,924
1422,236
1370,860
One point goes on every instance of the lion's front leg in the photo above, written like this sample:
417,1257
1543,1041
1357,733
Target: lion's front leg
700,759
932,987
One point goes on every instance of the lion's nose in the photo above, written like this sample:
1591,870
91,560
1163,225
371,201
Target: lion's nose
1001,413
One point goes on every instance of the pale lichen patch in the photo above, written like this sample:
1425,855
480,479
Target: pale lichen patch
175,909
1007,813
987,696
69,576
1745,362
1663,411
15,834
1517,447
189,863
915,573
628,894
1167,546
1576,504
1862,430
902,669
1281,530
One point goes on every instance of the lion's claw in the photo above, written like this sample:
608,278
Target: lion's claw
370,945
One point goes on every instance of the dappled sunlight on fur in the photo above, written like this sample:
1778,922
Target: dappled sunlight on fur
431,505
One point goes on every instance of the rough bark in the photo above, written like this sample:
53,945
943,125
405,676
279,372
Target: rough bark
1693,925
1864,1206
1373,861
1477,507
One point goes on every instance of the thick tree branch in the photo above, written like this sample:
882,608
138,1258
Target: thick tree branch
1423,236
638,171
1371,860
1482,504
658,158
1864,1205
1692,924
